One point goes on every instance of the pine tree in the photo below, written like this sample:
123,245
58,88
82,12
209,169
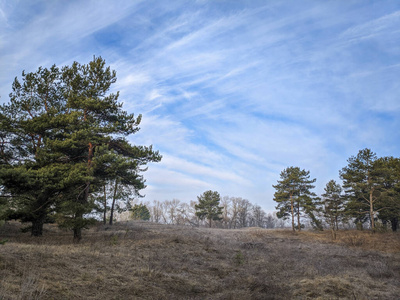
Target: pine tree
140,212
362,183
208,206
293,194
97,127
333,203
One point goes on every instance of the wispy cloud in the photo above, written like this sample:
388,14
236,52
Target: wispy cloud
386,25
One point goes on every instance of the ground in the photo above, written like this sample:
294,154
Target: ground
141,260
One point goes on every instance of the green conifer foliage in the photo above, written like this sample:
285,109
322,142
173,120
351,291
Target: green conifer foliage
62,137
293,194
31,178
140,212
363,184
98,132
208,206
333,202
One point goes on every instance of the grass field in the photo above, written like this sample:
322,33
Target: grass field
139,260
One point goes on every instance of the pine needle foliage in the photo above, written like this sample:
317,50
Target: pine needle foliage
293,195
208,207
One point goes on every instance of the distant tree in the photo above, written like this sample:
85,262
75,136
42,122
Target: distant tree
363,185
225,203
240,212
244,212
172,210
208,206
183,211
140,212
257,216
234,212
333,205
156,211
271,221
188,213
293,194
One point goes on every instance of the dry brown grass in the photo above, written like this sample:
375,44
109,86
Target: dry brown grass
388,242
140,260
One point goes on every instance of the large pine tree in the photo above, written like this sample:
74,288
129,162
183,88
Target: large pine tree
65,130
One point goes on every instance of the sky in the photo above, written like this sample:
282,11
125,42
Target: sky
231,91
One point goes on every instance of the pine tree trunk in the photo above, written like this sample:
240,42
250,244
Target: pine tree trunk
333,227
292,211
371,209
40,215
37,226
77,235
395,224
90,157
333,233
105,207
84,200
113,202
298,216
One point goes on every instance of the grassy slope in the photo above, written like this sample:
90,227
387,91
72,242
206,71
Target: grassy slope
140,260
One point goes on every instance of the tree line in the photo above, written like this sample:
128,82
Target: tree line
369,194
221,212
64,144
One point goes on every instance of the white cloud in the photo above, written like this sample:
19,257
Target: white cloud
133,79
198,170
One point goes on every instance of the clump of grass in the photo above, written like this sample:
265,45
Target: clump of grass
326,288
114,240
238,258
21,286
354,239
31,287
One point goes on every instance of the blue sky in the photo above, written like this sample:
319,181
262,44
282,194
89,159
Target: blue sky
231,92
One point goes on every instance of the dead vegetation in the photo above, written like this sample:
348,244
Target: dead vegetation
139,260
